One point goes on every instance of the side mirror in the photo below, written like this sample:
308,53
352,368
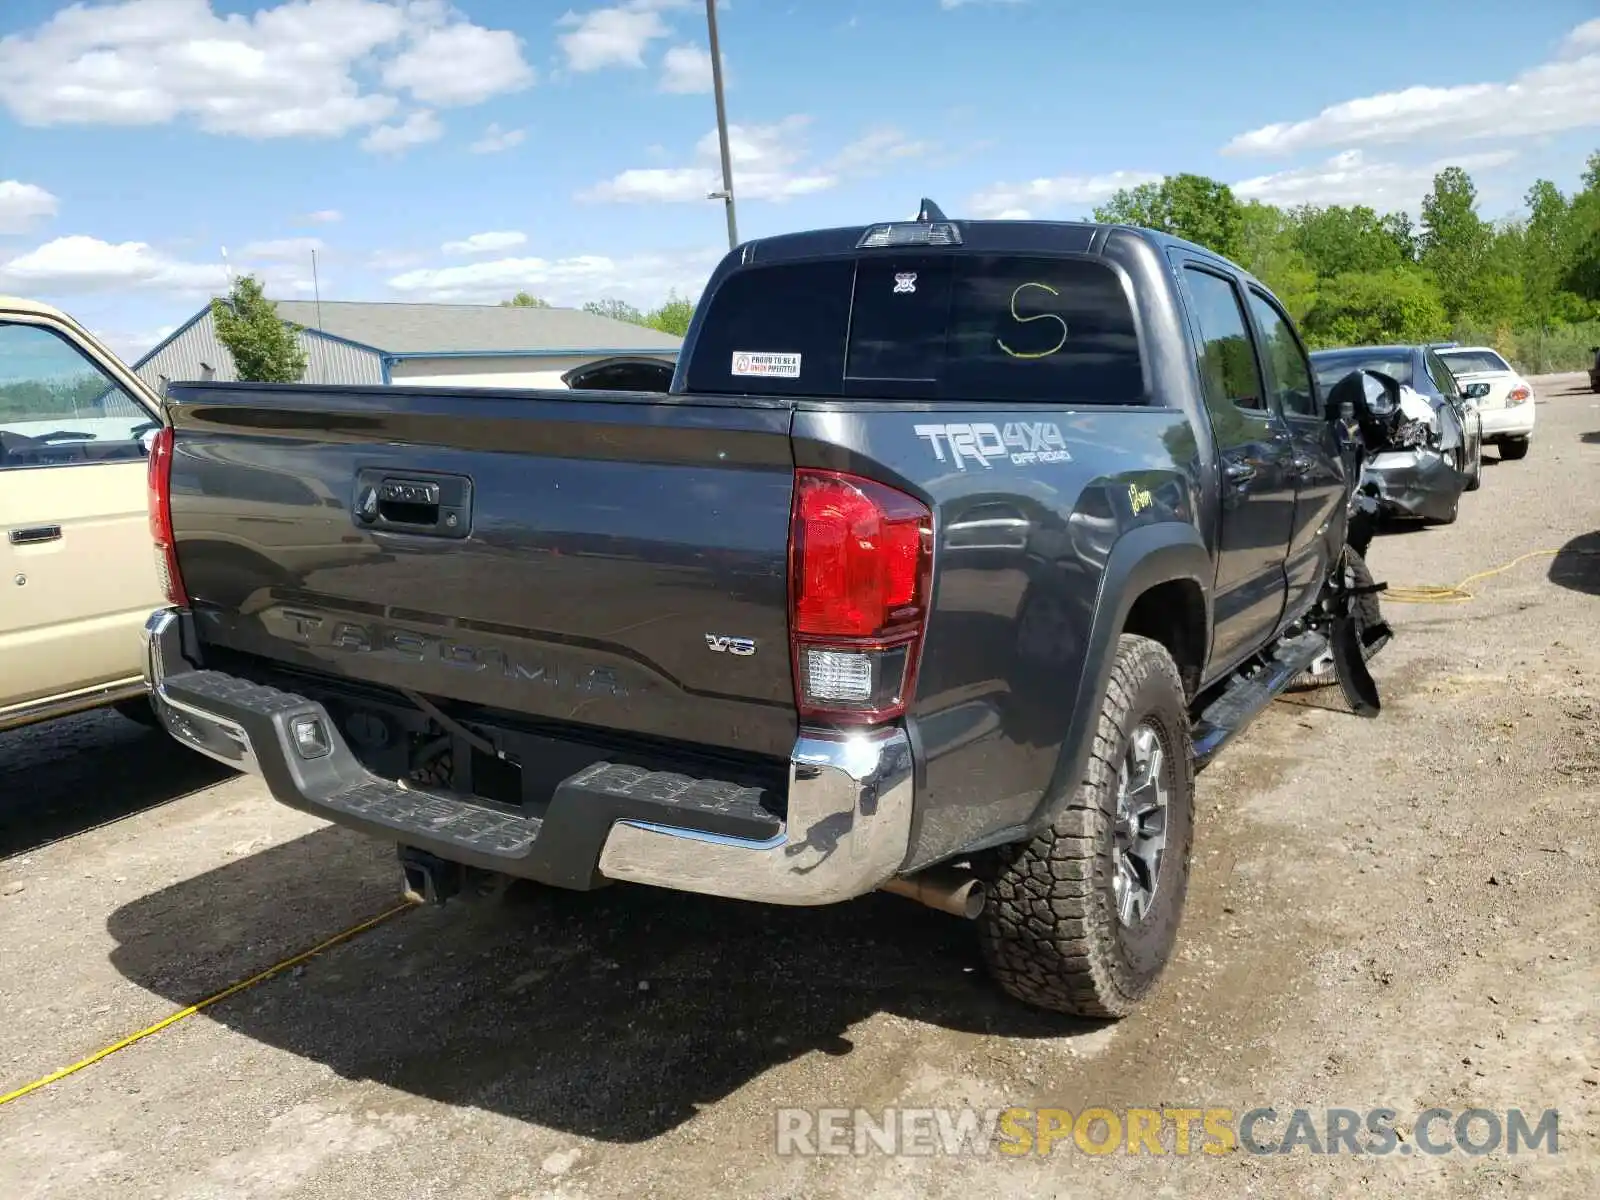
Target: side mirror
1475,391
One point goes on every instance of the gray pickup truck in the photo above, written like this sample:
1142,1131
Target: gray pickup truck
950,553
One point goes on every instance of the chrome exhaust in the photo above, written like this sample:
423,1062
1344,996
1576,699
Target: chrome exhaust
959,893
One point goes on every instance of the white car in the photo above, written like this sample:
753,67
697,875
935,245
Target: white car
1504,399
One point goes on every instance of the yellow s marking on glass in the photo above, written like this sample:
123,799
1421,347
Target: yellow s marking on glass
1020,319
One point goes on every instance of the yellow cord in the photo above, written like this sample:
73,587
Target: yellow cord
234,990
1431,593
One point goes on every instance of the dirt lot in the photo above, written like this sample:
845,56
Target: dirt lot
1401,912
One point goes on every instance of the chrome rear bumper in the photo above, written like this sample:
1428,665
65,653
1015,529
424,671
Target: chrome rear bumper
845,829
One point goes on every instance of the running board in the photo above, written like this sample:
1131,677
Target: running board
1245,696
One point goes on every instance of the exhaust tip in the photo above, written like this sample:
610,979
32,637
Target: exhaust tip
958,893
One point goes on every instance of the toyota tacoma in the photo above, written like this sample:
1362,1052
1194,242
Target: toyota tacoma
950,552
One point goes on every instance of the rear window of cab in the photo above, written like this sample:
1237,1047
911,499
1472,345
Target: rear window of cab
915,325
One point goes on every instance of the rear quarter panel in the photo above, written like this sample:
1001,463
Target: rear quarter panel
1022,559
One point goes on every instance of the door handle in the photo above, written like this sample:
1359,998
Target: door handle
1239,472
35,535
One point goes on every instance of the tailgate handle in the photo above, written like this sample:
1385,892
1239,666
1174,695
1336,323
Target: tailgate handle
426,505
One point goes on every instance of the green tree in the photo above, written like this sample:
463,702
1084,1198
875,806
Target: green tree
1199,209
1403,233
673,316
1371,307
1268,251
1581,272
1455,240
1337,240
1545,249
524,300
265,347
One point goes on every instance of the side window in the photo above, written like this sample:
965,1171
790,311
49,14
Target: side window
1286,363
58,407
1227,362
1442,378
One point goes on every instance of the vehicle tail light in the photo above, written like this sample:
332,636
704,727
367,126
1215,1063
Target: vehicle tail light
860,574
160,504
1519,394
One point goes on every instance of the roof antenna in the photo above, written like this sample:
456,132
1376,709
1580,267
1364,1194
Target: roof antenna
929,211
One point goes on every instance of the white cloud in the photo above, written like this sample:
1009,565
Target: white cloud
1561,94
686,70
486,243
325,216
78,264
293,248
766,166
301,68
461,64
130,347
1352,178
420,127
612,37
876,149
1020,201
496,139
22,204
641,279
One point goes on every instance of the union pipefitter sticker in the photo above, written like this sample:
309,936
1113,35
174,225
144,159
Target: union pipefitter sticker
780,366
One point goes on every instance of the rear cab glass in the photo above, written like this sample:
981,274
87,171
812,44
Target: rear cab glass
923,326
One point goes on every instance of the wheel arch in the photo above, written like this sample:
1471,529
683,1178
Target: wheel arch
1159,578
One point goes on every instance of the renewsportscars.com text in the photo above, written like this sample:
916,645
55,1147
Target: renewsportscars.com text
1163,1131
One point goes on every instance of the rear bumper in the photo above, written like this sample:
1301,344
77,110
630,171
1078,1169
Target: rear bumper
1516,421
1414,483
846,828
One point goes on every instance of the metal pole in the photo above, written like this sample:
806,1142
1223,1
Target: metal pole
722,125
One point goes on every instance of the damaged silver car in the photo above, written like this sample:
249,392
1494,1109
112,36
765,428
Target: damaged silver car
1424,441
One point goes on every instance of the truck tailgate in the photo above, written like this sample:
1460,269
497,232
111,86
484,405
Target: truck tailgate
613,560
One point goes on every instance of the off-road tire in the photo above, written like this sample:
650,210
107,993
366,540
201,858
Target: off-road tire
1050,933
1514,449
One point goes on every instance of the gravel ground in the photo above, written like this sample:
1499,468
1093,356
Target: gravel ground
1393,913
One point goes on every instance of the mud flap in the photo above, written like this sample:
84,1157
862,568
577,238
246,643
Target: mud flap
1350,668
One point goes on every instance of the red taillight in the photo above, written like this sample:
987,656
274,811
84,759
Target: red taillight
1519,394
160,505
860,571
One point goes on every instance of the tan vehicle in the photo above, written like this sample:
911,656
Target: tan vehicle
78,573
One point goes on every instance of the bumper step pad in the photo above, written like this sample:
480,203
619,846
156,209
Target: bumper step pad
577,818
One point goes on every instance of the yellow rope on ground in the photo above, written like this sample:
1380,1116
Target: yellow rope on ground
233,990
1431,593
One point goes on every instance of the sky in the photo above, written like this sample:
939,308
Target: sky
431,151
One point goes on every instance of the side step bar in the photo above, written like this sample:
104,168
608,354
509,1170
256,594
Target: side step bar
1245,696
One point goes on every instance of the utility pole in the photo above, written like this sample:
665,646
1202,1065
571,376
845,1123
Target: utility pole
726,194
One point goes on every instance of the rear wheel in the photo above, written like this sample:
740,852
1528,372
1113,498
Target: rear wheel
1083,918
1513,449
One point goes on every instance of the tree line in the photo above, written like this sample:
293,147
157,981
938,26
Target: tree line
672,316
1349,275
1528,285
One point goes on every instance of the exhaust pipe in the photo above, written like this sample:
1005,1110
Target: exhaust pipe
958,893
